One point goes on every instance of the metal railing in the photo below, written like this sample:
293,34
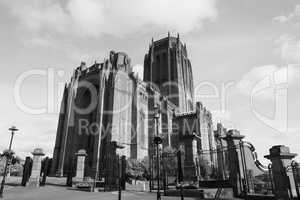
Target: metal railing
296,176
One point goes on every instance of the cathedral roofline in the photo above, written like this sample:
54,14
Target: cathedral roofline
170,41
164,39
168,38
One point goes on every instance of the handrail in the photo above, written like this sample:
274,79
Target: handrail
258,164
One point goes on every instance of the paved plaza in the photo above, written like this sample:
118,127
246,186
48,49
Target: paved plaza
63,193
55,190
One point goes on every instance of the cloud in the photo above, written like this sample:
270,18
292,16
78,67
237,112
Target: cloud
289,48
281,19
277,76
252,77
116,17
267,89
138,70
47,42
39,16
291,16
221,116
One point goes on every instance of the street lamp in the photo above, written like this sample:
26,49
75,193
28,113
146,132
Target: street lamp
119,146
12,129
157,140
180,172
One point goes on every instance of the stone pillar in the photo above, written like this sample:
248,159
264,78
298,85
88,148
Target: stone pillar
180,165
36,167
111,167
81,155
191,169
284,184
45,165
123,163
236,172
26,171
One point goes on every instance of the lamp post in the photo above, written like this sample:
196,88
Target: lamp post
157,140
118,146
180,173
12,129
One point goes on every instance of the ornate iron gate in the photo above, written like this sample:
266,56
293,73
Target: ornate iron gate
258,179
153,174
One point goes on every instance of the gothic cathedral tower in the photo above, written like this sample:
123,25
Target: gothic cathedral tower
167,67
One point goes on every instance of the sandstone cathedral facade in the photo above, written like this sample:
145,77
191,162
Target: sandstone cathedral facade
106,105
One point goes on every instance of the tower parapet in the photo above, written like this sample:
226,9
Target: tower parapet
167,65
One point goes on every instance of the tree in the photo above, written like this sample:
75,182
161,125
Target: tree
15,167
16,160
169,161
137,169
6,152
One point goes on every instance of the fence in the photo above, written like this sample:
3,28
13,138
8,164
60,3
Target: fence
153,174
257,179
214,168
203,169
213,164
251,176
296,175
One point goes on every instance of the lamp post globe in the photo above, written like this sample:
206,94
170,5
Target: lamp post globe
13,129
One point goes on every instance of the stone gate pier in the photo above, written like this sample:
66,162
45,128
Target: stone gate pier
34,180
81,155
284,183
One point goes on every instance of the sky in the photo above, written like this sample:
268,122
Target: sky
245,57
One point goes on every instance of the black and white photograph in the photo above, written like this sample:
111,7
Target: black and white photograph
149,99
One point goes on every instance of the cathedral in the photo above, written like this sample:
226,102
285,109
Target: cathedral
106,106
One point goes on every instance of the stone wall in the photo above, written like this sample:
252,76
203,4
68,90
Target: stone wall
121,111
112,114
142,121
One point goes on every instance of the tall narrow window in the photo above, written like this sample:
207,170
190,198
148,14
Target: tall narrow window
157,70
142,129
164,67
